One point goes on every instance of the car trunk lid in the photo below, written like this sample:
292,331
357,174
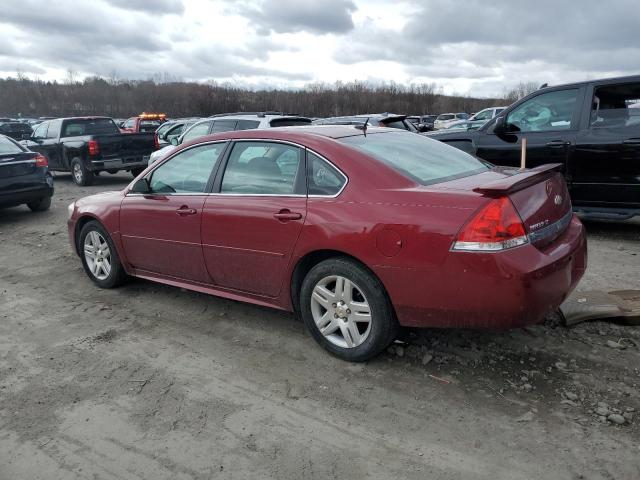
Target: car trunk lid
14,165
539,195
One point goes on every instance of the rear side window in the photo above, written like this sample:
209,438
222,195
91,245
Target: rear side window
616,106
262,168
247,124
7,147
322,178
188,171
223,126
422,159
89,126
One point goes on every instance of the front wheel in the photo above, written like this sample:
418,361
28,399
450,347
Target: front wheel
99,256
346,309
81,174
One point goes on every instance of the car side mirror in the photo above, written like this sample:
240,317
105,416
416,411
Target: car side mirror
500,125
141,186
174,141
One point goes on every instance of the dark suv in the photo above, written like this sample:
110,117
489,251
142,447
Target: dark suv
591,128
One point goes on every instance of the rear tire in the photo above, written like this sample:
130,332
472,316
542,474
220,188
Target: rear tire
40,205
99,256
137,171
346,309
80,173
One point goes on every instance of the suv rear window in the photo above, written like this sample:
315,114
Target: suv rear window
289,122
149,125
419,158
89,126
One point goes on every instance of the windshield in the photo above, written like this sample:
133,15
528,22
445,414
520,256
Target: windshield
89,126
7,147
422,159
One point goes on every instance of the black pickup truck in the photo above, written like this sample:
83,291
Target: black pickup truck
87,145
592,128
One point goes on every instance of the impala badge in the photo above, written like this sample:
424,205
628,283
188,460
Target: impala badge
557,199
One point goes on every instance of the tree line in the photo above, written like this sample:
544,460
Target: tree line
124,98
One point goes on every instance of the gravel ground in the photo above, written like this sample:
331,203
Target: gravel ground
153,382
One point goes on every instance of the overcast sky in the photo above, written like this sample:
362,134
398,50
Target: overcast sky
464,46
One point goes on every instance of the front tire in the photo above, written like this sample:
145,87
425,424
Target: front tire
80,173
40,205
99,256
346,309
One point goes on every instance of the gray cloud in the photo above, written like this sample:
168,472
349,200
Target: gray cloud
288,16
474,39
155,7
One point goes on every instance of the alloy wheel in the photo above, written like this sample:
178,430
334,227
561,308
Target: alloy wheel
341,311
97,255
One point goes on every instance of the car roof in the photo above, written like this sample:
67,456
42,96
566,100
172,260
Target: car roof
627,79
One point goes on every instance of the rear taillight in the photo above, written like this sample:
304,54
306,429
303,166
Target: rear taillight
41,161
496,227
156,142
94,148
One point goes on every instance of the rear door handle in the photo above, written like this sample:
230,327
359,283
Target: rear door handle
185,210
286,215
558,143
632,141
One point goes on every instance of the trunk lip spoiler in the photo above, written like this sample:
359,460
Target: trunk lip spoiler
517,181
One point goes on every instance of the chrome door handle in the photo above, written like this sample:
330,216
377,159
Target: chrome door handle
185,210
286,215
558,143
632,141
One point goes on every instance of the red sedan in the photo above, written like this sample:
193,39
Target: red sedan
356,231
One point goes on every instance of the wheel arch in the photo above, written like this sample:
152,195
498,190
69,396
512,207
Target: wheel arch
80,223
310,260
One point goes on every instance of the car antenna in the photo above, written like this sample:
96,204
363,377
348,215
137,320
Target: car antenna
363,127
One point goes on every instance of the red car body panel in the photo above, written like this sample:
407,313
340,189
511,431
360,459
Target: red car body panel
400,230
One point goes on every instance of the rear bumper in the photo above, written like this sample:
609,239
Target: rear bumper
14,193
513,288
124,163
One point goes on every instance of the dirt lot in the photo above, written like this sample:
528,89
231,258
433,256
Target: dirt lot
154,382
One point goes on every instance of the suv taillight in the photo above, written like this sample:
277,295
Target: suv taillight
497,226
41,161
94,148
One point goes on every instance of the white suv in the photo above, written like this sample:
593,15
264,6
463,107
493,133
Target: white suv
446,118
231,121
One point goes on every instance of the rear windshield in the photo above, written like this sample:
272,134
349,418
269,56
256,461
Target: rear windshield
7,147
289,122
446,117
149,125
15,127
422,159
89,126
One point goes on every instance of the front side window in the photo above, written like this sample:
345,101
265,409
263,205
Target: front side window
546,112
41,131
196,131
322,178
188,172
262,168
129,123
485,115
424,160
54,128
